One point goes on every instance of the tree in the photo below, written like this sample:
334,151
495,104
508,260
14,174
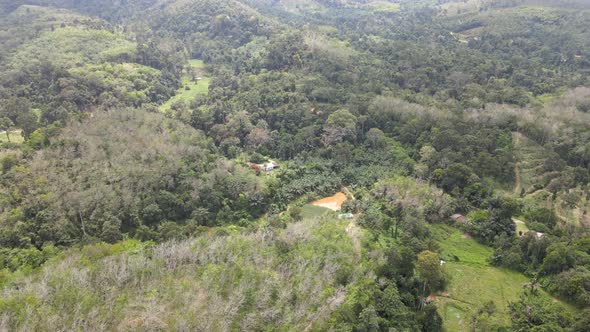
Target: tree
573,284
257,137
368,320
430,272
483,320
430,319
15,106
375,138
27,121
393,309
111,229
339,126
583,105
427,161
6,125
239,124
582,321
544,216
537,312
169,230
296,213
559,258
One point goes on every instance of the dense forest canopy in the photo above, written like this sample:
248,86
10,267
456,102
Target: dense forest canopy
161,155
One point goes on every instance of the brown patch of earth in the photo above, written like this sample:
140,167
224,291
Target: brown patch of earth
333,203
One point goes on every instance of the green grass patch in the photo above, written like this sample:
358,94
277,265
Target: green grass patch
188,91
454,243
473,286
384,7
196,63
521,227
15,137
473,281
189,88
311,211
548,98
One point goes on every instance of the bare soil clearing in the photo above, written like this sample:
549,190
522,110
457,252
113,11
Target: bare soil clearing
333,203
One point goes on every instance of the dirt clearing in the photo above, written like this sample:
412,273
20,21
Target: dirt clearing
333,203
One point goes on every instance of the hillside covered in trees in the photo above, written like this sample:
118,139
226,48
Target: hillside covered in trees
163,164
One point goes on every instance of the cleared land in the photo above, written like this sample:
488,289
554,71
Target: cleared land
195,82
15,136
311,211
474,282
333,203
384,7
520,226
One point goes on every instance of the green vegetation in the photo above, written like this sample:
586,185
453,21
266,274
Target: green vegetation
188,91
194,83
454,243
472,288
384,7
521,227
61,47
132,195
530,160
11,136
475,284
473,281
310,211
220,282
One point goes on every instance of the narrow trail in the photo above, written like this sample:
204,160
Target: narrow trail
348,193
449,297
354,233
517,184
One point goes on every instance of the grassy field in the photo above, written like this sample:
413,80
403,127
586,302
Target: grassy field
189,89
384,7
196,63
311,211
473,281
471,287
520,226
15,137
